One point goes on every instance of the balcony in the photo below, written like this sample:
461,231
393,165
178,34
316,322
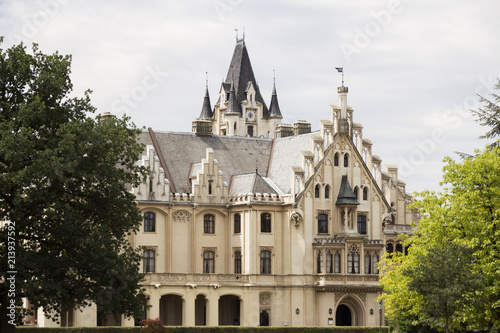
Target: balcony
398,229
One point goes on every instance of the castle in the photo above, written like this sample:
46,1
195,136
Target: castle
251,222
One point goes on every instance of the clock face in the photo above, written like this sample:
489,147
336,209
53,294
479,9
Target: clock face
250,115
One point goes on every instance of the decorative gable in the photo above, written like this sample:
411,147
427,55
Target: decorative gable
156,187
207,181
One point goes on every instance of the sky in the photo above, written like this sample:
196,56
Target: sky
413,68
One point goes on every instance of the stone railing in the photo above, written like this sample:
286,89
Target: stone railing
346,279
398,229
190,278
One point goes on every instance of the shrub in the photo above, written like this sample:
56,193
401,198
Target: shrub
153,326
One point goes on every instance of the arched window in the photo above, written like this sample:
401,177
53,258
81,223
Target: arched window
209,188
336,159
209,224
237,224
265,222
149,222
319,263
327,191
353,262
208,262
336,259
149,261
265,262
389,248
375,262
356,192
329,263
237,262
399,247
346,160
322,223
368,263
365,193
362,224
235,127
316,191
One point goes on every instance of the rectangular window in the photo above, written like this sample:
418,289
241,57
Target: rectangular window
149,261
208,262
368,263
237,224
375,262
337,263
209,224
265,262
265,222
149,222
319,263
237,262
362,224
322,223
353,262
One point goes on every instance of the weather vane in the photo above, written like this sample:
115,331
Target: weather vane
341,70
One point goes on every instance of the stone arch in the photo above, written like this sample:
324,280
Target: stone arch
171,309
356,308
229,310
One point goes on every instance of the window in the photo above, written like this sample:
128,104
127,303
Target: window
336,159
362,224
368,263
329,262
399,247
322,223
336,262
208,261
353,262
365,193
356,193
327,191
149,261
319,269
237,262
374,263
149,222
250,131
316,191
346,160
209,224
389,248
265,222
265,262
150,186
237,224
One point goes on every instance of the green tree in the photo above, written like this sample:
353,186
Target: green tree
489,114
466,214
64,187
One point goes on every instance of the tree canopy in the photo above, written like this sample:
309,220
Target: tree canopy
64,187
454,259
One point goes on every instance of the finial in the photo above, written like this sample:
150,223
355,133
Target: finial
206,79
274,76
236,34
341,70
243,33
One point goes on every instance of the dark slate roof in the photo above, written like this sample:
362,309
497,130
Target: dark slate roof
274,108
346,195
236,155
240,70
232,103
206,109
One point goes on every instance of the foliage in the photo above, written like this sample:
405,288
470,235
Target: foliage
63,187
153,326
466,214
489,115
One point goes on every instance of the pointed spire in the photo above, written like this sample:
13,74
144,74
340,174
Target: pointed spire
274,108
346,195
241,73
343,121
232,103
206,109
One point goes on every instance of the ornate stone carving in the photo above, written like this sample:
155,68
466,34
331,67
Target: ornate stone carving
295,218
265,299
181,216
